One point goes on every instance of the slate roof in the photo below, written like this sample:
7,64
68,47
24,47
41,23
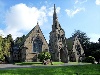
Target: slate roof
37,26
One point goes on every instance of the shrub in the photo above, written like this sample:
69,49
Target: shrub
90,59
44,55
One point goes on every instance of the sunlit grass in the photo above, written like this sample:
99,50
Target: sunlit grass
54,70
38,63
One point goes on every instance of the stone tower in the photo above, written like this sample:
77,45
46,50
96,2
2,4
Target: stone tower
57,42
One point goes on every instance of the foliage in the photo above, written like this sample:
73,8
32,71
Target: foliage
44,55
94,50
96,54
90,48
18,40
99,40
90,59
5,47
2,58
84,40
55,70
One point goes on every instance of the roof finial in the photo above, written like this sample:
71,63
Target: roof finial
37,23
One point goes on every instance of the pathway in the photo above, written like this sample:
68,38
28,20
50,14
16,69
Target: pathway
11,66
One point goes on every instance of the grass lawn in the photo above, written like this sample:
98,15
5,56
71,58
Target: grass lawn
91,69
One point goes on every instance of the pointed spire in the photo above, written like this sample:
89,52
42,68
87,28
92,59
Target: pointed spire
54,9
54,14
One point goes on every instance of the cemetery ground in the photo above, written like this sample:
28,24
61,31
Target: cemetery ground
58,68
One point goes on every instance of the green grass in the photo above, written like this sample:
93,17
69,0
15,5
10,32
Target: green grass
60,70
30,63
37,63
78,63
57,63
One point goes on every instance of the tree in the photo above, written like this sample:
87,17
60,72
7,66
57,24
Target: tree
1,49
5,47
44,55
18,40
96,54
99,40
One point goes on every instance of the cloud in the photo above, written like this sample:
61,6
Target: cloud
80,1
76,1
71,12
97,2
47,41
1,33
94,37
51,10
20,18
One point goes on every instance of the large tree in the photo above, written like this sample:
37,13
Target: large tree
5,47
18,40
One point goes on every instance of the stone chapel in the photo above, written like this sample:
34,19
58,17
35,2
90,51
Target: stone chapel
60,48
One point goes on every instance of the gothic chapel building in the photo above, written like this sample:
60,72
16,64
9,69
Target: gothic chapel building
35,42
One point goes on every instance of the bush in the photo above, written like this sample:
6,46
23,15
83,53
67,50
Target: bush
44,55
90,59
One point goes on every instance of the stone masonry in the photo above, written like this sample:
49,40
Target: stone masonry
57,42
33,44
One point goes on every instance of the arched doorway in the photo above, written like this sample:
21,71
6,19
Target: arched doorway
62,55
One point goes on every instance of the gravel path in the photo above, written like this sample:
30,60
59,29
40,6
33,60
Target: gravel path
11,66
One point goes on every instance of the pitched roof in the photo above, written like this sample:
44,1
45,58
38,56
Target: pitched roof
36,27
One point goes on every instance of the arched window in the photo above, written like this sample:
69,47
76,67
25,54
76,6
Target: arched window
78,49
37,45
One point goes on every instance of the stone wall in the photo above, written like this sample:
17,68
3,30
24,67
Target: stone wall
30,55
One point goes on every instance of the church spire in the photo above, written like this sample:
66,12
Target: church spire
54,9
54,14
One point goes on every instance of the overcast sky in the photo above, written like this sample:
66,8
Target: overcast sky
18,17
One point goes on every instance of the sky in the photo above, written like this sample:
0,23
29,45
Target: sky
18,17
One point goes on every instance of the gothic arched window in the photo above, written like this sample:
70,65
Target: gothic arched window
78,49
37,45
